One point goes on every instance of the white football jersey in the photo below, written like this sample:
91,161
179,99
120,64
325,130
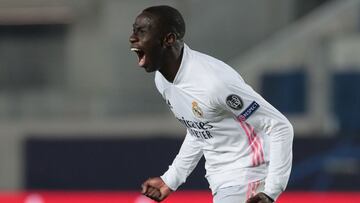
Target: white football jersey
243,138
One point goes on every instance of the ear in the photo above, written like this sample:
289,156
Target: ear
170,39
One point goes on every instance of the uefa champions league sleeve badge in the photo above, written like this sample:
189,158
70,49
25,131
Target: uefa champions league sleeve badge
234,101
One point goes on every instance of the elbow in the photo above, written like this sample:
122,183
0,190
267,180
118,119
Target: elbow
288,134
290,129
285,131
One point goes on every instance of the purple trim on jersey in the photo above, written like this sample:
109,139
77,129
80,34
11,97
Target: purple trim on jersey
248,111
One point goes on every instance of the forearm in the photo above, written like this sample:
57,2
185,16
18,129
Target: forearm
184,163
280,159
176,174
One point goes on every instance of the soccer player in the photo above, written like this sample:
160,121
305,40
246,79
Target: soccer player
246,142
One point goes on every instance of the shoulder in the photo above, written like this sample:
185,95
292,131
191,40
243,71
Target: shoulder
215,67
220,75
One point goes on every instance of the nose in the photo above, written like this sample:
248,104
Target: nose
133,38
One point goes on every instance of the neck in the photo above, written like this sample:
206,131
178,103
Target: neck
172,63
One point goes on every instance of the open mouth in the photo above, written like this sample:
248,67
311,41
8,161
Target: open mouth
141,56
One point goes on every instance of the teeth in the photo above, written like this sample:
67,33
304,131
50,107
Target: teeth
135,49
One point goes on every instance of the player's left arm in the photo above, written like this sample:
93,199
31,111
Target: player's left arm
281,134
249,107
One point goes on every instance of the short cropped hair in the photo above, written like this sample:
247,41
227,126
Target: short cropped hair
170,18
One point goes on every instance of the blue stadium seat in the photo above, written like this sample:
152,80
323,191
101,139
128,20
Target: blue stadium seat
286,90
346,100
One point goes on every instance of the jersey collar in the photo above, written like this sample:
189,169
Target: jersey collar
184,61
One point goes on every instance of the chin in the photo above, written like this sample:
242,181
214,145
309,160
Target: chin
150,69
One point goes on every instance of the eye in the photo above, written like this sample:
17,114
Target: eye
138,31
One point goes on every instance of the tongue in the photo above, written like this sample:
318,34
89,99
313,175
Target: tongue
142,60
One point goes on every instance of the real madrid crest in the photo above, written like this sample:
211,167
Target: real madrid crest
196,110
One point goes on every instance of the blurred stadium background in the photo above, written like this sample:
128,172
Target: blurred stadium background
80,122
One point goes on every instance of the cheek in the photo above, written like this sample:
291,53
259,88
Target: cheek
155,50
157,55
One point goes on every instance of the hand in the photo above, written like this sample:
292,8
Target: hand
155,189
260,198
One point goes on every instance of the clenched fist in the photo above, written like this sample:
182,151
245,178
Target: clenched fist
155,189
260,198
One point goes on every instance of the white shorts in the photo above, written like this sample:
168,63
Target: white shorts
239,193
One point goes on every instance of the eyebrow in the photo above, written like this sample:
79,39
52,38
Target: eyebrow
141,27
138,26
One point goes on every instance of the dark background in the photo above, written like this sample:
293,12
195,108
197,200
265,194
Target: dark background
122,164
